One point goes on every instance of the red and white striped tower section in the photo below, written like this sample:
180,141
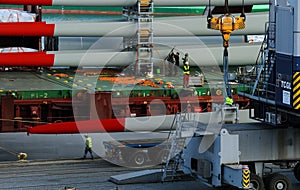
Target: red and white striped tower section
247,56
174,26
130,2
162,27
153,123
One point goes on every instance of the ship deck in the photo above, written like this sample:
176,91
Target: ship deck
60,83
32,97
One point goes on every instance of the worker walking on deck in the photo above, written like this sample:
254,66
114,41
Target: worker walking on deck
186,71
88,146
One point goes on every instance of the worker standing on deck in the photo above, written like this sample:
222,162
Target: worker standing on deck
229,100
186,70
170,60
88,146
176,57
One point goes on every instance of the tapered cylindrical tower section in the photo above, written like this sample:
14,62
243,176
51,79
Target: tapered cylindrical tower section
153,123
130,2
175,26
200,56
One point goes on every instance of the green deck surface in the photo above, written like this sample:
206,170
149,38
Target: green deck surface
61,84
29,85
26,81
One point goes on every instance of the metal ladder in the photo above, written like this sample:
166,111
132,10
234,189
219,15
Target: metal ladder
177,145
144,38
142,15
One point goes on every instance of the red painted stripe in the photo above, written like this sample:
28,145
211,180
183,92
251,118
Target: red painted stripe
27,2
27,59
90,126
26,29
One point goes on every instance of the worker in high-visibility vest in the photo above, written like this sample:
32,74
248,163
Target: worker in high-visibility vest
88,146
229,100
186,70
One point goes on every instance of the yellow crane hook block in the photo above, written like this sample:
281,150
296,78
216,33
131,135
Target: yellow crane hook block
226,24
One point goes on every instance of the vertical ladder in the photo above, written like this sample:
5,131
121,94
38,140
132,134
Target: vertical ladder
144,38
270,60
263,55
177,141
142,15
